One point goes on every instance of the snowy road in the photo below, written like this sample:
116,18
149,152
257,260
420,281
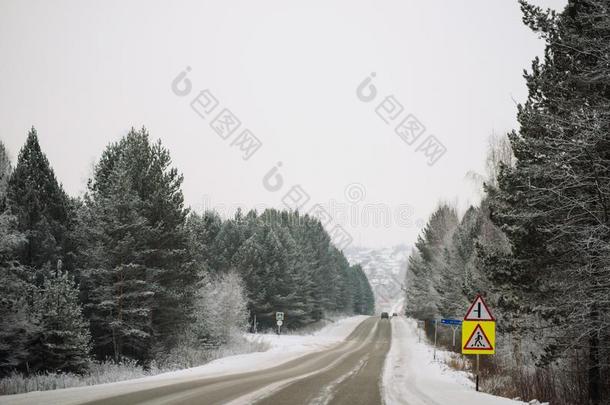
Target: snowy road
330,375
355,361
311,378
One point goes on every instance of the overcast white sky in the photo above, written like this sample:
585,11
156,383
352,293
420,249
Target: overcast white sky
84,72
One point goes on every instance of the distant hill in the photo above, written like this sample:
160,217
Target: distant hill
385,269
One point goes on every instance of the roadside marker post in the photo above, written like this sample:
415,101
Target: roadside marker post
478,332
279,327
435,329
279,318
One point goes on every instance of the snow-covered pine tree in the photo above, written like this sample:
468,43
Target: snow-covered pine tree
322,271
63,341
263,265
362,294
40,205
289,265
306,230
419,291
203,230
299,306
554,205
424,282
160,203
456,289
117,284
231,236
17,326
17,329
339,267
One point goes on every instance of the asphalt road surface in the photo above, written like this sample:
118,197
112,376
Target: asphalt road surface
349,373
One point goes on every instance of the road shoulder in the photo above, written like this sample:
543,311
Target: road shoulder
412,377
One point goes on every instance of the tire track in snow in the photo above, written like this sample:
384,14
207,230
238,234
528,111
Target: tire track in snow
329,391
262,395
349,384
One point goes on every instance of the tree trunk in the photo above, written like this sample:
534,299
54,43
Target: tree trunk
594,359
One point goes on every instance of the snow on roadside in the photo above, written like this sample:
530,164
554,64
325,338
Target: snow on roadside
283,348
412,377
317,340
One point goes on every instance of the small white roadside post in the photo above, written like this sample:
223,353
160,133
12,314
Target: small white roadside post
279,318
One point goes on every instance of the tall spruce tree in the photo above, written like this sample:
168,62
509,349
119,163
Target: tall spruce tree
118,286
288,264
203,231
426,265
17,331
158,205
63,341
419,290
263,265
41,207
554,205
18,328
458,265
363,298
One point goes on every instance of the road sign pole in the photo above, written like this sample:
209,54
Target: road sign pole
477,383
454,329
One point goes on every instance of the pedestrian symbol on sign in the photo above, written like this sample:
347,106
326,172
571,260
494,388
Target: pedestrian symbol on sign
478,338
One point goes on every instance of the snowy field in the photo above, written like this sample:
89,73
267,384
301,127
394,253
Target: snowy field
283,348
412,377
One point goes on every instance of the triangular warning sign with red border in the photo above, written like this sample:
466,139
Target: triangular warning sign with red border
479,311
478,340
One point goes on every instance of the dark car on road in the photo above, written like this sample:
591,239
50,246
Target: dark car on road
385,315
